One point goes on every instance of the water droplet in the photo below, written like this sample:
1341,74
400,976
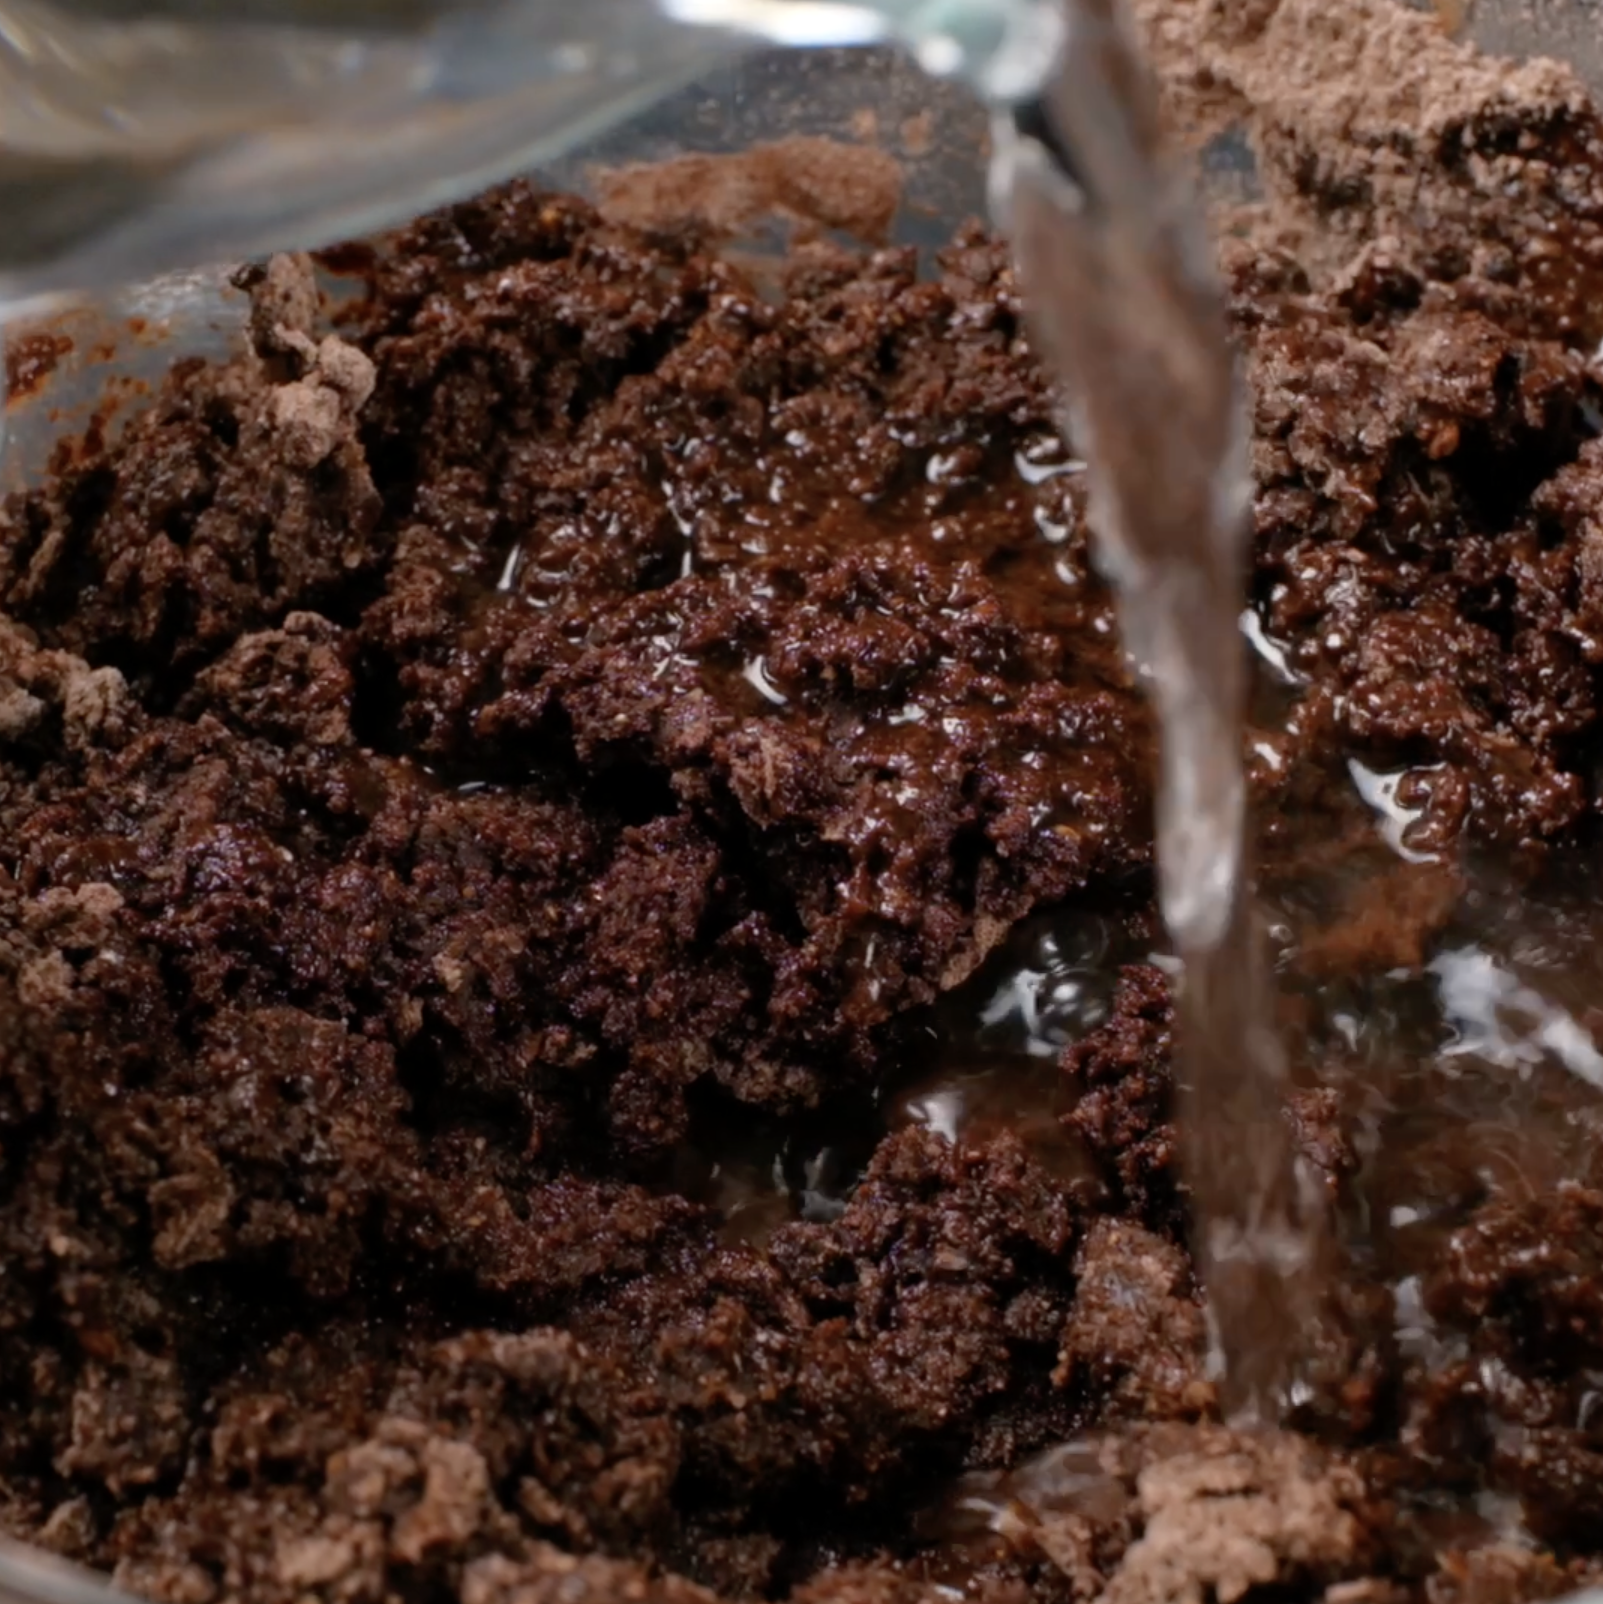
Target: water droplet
1381,792
1268,648
1052,530
1045,459
755,674
1497,1018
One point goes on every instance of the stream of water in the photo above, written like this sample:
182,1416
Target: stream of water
1121,292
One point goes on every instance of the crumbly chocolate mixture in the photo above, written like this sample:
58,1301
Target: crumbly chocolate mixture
472,782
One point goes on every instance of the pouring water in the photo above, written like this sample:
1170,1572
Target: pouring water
1120,285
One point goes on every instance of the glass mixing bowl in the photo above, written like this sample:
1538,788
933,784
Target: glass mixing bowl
939,130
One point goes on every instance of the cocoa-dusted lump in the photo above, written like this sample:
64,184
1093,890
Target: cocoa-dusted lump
1122,1073
1135,1331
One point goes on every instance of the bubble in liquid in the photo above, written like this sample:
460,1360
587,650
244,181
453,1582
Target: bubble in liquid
1052,985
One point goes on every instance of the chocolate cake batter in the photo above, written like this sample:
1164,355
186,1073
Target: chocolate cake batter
476,784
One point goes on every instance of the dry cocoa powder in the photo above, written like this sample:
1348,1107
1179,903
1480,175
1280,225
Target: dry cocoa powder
817,183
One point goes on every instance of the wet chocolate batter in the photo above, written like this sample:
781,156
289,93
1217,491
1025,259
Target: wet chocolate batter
467,780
